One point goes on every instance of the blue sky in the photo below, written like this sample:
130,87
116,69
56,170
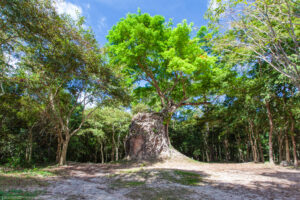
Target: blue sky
101,15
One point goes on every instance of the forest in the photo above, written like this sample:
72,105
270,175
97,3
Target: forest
225,92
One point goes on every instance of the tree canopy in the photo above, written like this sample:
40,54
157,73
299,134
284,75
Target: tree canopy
228,91
163,59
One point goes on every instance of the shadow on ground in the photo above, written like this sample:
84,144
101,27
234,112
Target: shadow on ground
160,180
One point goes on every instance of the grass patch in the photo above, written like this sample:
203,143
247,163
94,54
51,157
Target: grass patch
174,193
18,194
13,182
12,178
131,171
126,184
137,171
28,172
182,177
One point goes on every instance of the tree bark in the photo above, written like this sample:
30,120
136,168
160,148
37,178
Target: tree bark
206,143
59,145
148,137
226,149
287,148
63,156
101,151
240,152
251,138
117,147
262,159
114,145
293,140
271,160
28,156
280,145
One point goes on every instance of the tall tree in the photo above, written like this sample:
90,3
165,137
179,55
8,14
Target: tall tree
61,65
166,59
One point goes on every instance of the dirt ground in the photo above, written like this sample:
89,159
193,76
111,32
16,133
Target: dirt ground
171,179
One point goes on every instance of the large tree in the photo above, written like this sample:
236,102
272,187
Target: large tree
60,64
165,62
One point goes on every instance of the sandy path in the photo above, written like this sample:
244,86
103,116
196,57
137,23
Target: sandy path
220,181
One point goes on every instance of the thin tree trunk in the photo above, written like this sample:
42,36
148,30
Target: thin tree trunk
240,154
106,154
101,151
117,147
226,149
287,148
96,155
124,146
220,151
205,142
59,145
63,156
271,160
293,140
262,159
117,153
280,145
28,155
250,135
114,145
168,113
248,152
49,145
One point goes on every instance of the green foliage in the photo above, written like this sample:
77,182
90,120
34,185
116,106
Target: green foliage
173,64
260,29
139,108
56,82
60,69
19,194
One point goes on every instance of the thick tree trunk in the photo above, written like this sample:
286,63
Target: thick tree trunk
148,137
271,160
63,156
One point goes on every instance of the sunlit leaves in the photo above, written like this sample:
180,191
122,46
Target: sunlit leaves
148,48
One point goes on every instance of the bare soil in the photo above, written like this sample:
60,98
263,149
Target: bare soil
158,180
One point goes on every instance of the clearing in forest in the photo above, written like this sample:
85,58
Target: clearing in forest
179,178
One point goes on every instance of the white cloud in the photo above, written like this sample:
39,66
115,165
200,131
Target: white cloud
88,6
102,24
64,7
212,4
